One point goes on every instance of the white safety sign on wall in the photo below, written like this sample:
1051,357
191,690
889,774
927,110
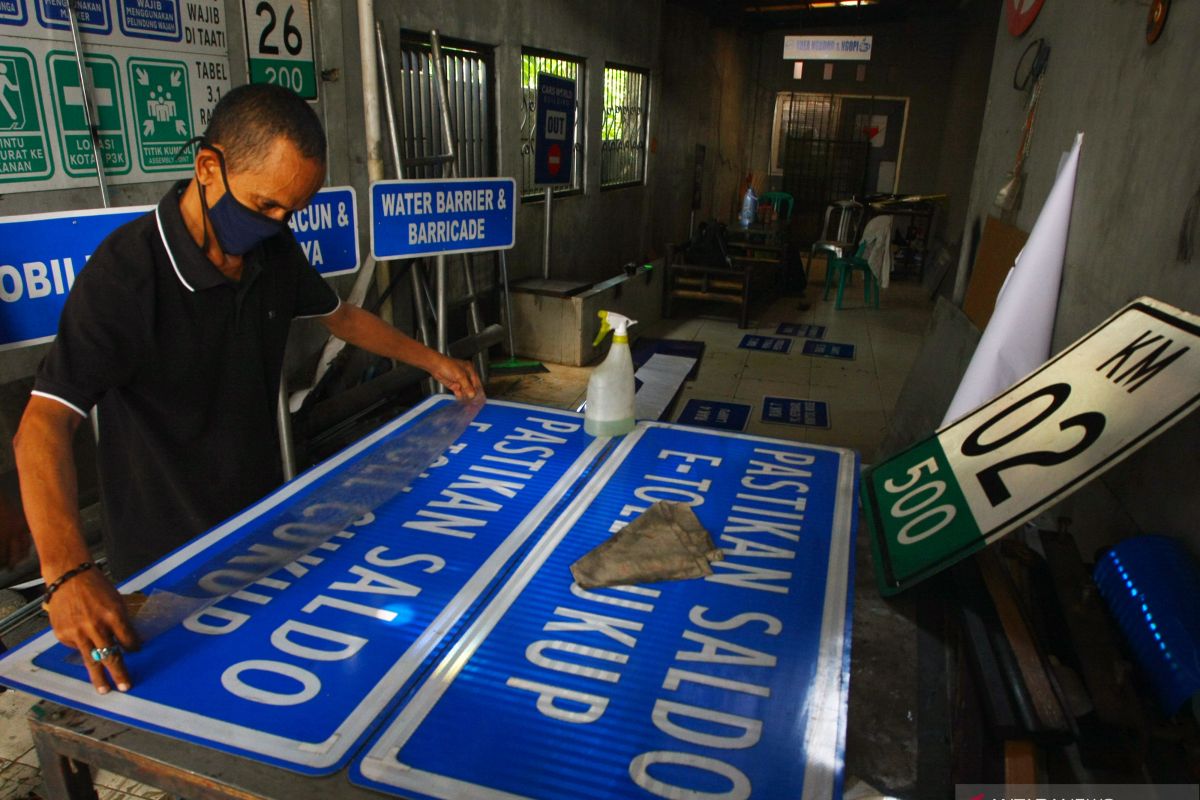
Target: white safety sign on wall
279,44
154,71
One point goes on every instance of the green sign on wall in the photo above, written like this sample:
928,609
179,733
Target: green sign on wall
161,113
79,160
24,144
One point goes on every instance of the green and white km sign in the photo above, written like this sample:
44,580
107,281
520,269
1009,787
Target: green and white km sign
79,160
24,143
161,113
279,44
1080,414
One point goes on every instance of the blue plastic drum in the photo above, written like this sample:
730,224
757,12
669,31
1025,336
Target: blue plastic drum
1152,586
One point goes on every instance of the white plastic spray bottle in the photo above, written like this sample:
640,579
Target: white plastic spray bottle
609,409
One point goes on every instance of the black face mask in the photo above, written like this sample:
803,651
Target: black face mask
238,228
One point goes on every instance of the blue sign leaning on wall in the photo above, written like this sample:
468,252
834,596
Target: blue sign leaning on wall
451,215
327,229
730,686
40,255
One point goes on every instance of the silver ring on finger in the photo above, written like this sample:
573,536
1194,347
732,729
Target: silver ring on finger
101,653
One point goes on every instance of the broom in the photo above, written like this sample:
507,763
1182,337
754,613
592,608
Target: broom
512,365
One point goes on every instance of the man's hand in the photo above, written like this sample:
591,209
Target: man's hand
87,613
457,376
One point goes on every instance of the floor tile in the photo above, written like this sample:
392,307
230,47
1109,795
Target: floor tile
15,740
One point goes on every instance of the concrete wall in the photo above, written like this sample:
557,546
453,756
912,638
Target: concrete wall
940,64
1139,169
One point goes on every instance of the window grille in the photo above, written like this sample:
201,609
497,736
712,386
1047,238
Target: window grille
623,133
469,95
562,66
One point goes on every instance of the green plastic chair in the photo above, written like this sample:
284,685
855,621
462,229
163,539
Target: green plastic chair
843,269
781,201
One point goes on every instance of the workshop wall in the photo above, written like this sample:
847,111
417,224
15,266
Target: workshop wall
1138,173
940,63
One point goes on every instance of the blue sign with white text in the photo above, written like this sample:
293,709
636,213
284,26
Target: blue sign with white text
452,215
554,146
296,667
12,12
715,414
327,229
733,685
801,330
767,344
793,411
829,350
158,19
40,255
93,15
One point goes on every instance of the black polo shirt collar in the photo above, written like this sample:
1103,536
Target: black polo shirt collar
191,265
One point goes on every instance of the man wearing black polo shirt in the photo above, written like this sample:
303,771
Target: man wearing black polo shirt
176,330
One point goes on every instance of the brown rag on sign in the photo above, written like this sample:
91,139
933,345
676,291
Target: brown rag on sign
666,543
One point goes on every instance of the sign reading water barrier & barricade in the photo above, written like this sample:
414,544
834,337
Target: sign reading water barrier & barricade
40,255
730,686
452,215
1081,413
294,668
327,229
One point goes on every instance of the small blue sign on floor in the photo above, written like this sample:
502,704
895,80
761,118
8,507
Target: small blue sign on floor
768,344
715,414
801,330
793,411
829,350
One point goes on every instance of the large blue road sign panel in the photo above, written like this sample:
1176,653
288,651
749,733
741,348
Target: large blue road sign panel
40,255
554,143
730,686
452,215
295,668
327,229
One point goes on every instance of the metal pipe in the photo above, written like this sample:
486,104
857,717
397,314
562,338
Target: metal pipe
440,280
85,93
512,348
546,234
287,446
439,79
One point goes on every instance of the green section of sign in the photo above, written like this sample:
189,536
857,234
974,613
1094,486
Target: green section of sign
299,76
24,143
918,516
161,113
107,104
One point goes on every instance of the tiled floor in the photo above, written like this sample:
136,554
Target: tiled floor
861,395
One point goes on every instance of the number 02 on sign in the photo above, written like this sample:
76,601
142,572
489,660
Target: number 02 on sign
1078,415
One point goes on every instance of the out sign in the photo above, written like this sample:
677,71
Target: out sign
556,125
279,44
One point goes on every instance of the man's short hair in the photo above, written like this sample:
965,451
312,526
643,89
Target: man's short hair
248,119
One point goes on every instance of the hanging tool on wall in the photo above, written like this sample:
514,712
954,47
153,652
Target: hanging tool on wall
1030,71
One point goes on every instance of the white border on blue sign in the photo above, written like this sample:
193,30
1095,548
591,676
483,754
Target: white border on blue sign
354,213
381,764
393,182
18,668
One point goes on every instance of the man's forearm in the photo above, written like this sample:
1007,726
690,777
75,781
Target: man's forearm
363,329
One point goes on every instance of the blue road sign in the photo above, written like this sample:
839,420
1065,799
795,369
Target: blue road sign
554,145
12,12
793,411
730,686
327,229
801,330
767,344
94,16
715,414
40,255
453,215
157,20
829,350
295,668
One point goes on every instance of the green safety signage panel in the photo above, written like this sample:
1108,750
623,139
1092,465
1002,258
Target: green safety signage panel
1081,413
107,104
279,44
24,141
161,113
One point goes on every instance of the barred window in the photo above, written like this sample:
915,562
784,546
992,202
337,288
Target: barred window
564,66
623,134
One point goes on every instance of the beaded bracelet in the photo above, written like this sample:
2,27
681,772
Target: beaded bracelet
51,588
